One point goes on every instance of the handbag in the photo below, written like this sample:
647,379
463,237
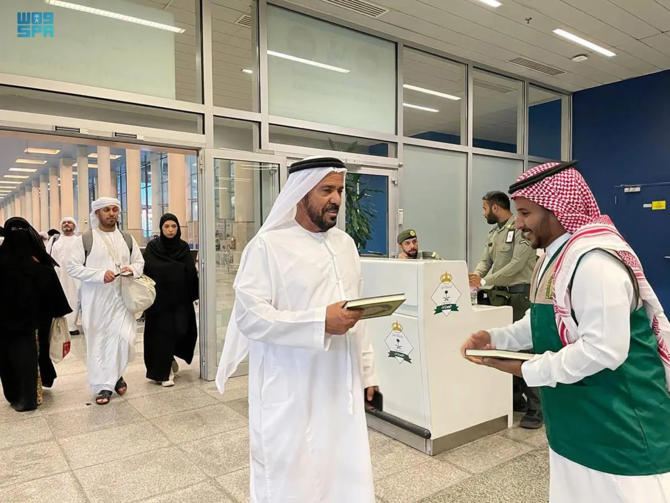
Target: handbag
138,294
59,340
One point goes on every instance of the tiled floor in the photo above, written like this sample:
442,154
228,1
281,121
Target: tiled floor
188,443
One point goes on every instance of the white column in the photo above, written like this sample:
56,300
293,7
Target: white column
17,205
35,196
156,193
66,188
133,200
177,190
190,236
54,199
3,218
22,199
44,203
83,203
104,173
28,197
114,174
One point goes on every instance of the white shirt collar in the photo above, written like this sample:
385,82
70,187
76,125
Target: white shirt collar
556,245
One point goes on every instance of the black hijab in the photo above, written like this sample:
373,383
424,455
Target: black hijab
23,242
171,248
168,261
31,292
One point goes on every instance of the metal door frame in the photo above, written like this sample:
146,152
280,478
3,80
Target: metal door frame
393,201
207,255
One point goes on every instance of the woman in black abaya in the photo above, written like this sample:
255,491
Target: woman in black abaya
170,329
30,298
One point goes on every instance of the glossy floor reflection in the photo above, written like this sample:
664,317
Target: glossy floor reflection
188,443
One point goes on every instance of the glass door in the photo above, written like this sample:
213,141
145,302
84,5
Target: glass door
239,191
370,213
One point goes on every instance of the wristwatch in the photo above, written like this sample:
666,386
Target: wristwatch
483,282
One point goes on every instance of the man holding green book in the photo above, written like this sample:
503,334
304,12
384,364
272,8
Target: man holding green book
601,340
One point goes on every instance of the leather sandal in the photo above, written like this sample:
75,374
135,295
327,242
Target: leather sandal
121,387
103,397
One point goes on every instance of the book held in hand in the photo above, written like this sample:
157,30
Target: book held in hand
377,307
496,353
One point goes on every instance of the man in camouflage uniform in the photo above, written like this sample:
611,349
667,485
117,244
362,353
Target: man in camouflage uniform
408,243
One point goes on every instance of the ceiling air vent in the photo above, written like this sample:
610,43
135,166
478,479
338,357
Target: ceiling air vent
490,86
360,7
244,20
538,67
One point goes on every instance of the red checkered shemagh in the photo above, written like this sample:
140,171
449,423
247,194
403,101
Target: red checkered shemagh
565,194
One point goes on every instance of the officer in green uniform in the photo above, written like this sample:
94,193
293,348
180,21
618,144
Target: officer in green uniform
504,272
408,243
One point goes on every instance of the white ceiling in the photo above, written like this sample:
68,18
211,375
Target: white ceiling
638,31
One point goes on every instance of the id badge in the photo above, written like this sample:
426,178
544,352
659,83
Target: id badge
510,237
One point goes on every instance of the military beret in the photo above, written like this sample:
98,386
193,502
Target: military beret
405,235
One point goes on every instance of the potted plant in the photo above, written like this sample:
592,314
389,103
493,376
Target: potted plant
360,210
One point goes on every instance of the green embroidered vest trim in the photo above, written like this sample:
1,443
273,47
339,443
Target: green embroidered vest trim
615,421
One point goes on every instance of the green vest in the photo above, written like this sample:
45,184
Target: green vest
615,421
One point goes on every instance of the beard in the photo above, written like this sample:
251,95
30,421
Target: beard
541,237
320,219
491,219
413,253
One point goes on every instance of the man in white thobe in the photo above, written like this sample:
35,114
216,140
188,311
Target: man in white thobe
61,251
310,360
110,328
601,338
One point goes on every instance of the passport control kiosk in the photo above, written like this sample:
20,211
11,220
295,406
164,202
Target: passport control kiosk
434,400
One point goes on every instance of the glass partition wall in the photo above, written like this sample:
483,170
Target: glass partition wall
423,132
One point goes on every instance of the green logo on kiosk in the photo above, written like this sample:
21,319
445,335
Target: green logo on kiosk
398,344
446,296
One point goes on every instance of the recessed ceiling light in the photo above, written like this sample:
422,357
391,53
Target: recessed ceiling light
94,155
115,15
417,107
308,62
30,161
247,70
43,151
18,177
585,43
492,3
23,170
430,91
7,182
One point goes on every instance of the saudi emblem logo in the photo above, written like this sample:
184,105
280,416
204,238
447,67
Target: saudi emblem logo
446,296
399,346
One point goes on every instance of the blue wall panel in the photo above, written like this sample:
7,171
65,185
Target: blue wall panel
621,136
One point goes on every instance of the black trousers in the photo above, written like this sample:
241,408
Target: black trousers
520,303
18,370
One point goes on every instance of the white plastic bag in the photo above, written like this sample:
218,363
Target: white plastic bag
59,340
